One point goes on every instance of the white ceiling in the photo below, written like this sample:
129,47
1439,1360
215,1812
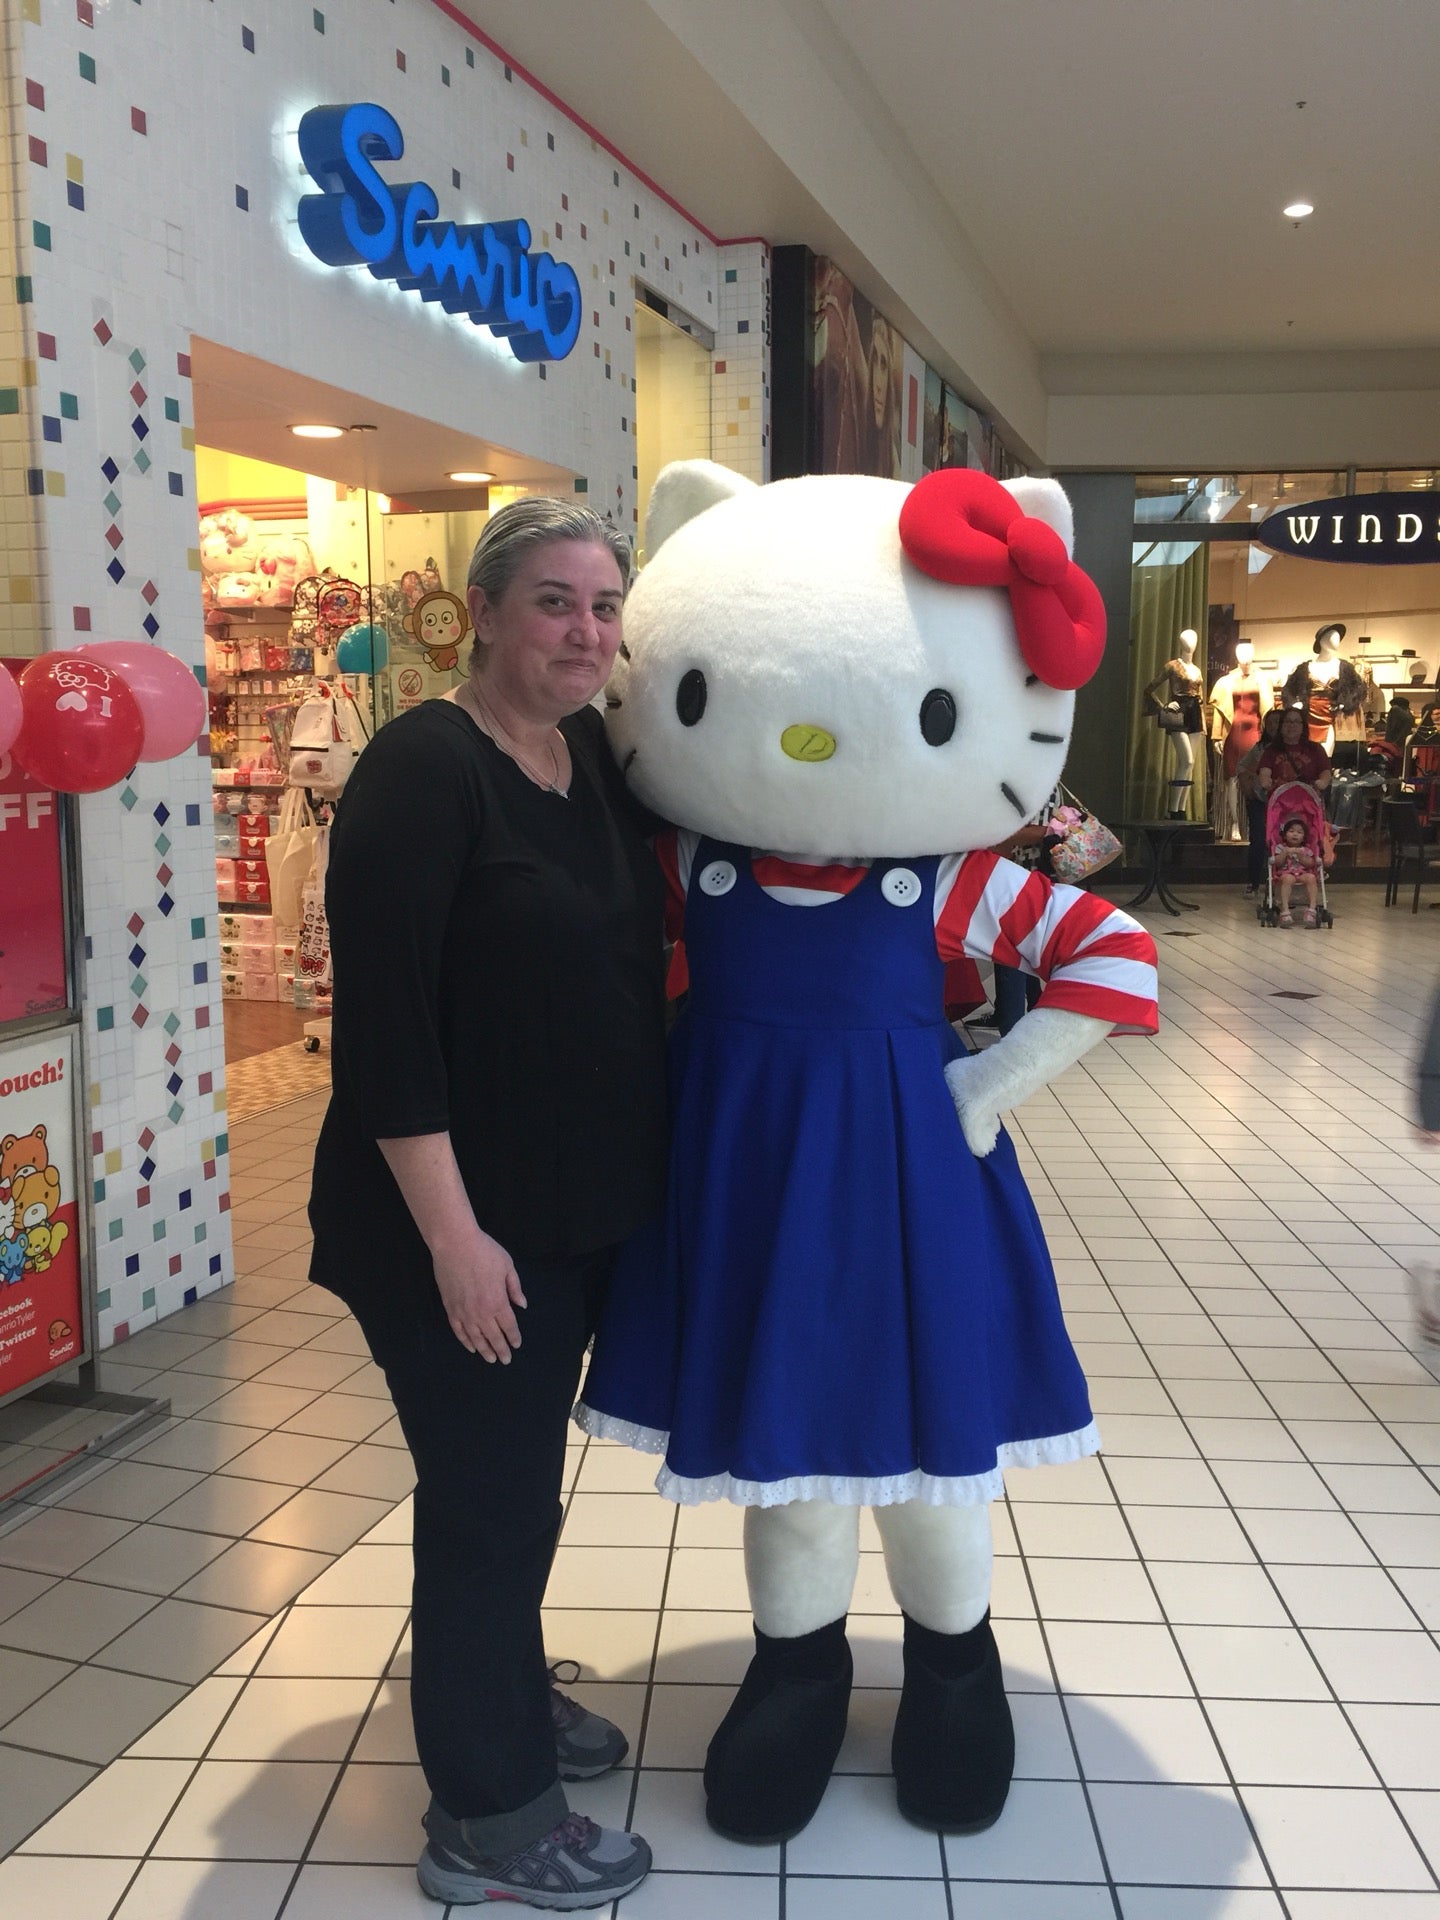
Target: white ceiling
1107,175
1121,164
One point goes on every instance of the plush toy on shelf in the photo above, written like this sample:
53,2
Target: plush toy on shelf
843,690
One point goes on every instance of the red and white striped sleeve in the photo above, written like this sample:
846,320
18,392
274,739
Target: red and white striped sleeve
1094,959
675,850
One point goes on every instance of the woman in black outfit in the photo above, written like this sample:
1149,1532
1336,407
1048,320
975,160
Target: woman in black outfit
497,1128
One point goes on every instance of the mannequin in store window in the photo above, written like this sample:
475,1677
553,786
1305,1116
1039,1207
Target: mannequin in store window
1173,696
1327,686
1240,701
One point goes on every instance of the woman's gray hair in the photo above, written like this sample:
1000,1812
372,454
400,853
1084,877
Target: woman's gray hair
518,529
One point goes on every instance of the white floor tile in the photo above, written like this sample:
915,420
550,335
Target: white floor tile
1343,1597
359,1893
716,1896
293,1720
1403,1742
1183,1835
670,1812
333,1643
1198,1593
120,1812
1250,1663
1334,1837
187,1730
1142,1739
1299,1743
246,1810
1044,1834
1190,1903
207,1890
1093,1590
598,1577
859,1830
1100,1657
374,1818
68,1889
1379,1666
617,1643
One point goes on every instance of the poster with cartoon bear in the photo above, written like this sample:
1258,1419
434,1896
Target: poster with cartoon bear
41,1324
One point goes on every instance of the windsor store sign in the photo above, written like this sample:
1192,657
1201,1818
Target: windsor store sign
1364,529
483,270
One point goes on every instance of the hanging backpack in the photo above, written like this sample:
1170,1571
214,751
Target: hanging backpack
325,742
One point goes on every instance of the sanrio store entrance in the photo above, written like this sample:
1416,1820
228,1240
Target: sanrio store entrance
317,552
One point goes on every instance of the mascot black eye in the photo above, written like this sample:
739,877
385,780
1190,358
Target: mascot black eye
937,716
690,697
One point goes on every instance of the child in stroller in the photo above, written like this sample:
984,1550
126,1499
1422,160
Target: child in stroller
1295,835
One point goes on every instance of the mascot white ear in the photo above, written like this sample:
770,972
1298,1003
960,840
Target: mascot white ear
685,488
1046,500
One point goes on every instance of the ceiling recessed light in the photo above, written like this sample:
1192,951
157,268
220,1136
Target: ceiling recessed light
1298,209
314,431
472,479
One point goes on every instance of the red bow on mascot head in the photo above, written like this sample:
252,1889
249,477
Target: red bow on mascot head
965,528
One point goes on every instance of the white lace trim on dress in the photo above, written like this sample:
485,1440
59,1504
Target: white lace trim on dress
933,1490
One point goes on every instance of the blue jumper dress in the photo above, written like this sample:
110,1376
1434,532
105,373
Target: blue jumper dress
840,1302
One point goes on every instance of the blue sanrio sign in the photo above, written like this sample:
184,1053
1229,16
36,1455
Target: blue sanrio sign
531,301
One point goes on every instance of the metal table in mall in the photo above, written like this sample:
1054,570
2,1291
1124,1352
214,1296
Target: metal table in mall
1160,837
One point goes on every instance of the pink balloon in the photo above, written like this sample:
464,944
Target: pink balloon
12,711
171,700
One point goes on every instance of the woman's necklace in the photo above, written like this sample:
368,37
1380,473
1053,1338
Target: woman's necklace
505,740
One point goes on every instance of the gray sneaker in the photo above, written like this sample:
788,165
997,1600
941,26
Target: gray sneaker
585,1744
575,1866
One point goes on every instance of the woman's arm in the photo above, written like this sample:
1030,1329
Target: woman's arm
476,1277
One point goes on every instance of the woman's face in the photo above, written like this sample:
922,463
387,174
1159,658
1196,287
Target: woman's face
1292,728
550,640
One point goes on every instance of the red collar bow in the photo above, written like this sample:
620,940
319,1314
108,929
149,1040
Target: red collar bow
963,527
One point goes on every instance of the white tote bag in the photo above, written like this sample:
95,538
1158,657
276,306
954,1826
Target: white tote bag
289,856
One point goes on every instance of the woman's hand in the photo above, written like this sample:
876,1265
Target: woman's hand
480,1290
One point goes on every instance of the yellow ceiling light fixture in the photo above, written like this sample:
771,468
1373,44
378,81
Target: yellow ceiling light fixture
472,479
314,430
1298,210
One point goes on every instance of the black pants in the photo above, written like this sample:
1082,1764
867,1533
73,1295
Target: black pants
1257,850
488,1442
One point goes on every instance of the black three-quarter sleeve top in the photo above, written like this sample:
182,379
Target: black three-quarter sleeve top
498,964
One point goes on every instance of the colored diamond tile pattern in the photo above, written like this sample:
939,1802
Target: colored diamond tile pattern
116,508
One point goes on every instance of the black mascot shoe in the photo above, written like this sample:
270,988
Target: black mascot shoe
954,1745
772,1755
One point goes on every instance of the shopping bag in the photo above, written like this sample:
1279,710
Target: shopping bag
312,960
1088,844
289,857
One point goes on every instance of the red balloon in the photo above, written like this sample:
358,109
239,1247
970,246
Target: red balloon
82,727
171,700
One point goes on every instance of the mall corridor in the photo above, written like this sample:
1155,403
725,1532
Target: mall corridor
1219,1637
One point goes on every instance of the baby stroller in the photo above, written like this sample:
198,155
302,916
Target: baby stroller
1295,801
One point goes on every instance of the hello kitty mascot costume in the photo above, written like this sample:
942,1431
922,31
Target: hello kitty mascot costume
844,690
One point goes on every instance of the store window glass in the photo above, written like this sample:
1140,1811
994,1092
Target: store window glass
1356,644
673,375
310,587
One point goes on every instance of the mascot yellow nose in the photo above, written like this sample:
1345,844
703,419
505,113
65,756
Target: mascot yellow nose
807,743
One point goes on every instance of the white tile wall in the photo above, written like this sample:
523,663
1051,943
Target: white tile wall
135,136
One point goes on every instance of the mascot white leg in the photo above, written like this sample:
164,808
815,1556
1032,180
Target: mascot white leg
954,1746
774,1751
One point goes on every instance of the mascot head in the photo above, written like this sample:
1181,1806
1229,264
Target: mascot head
852,666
